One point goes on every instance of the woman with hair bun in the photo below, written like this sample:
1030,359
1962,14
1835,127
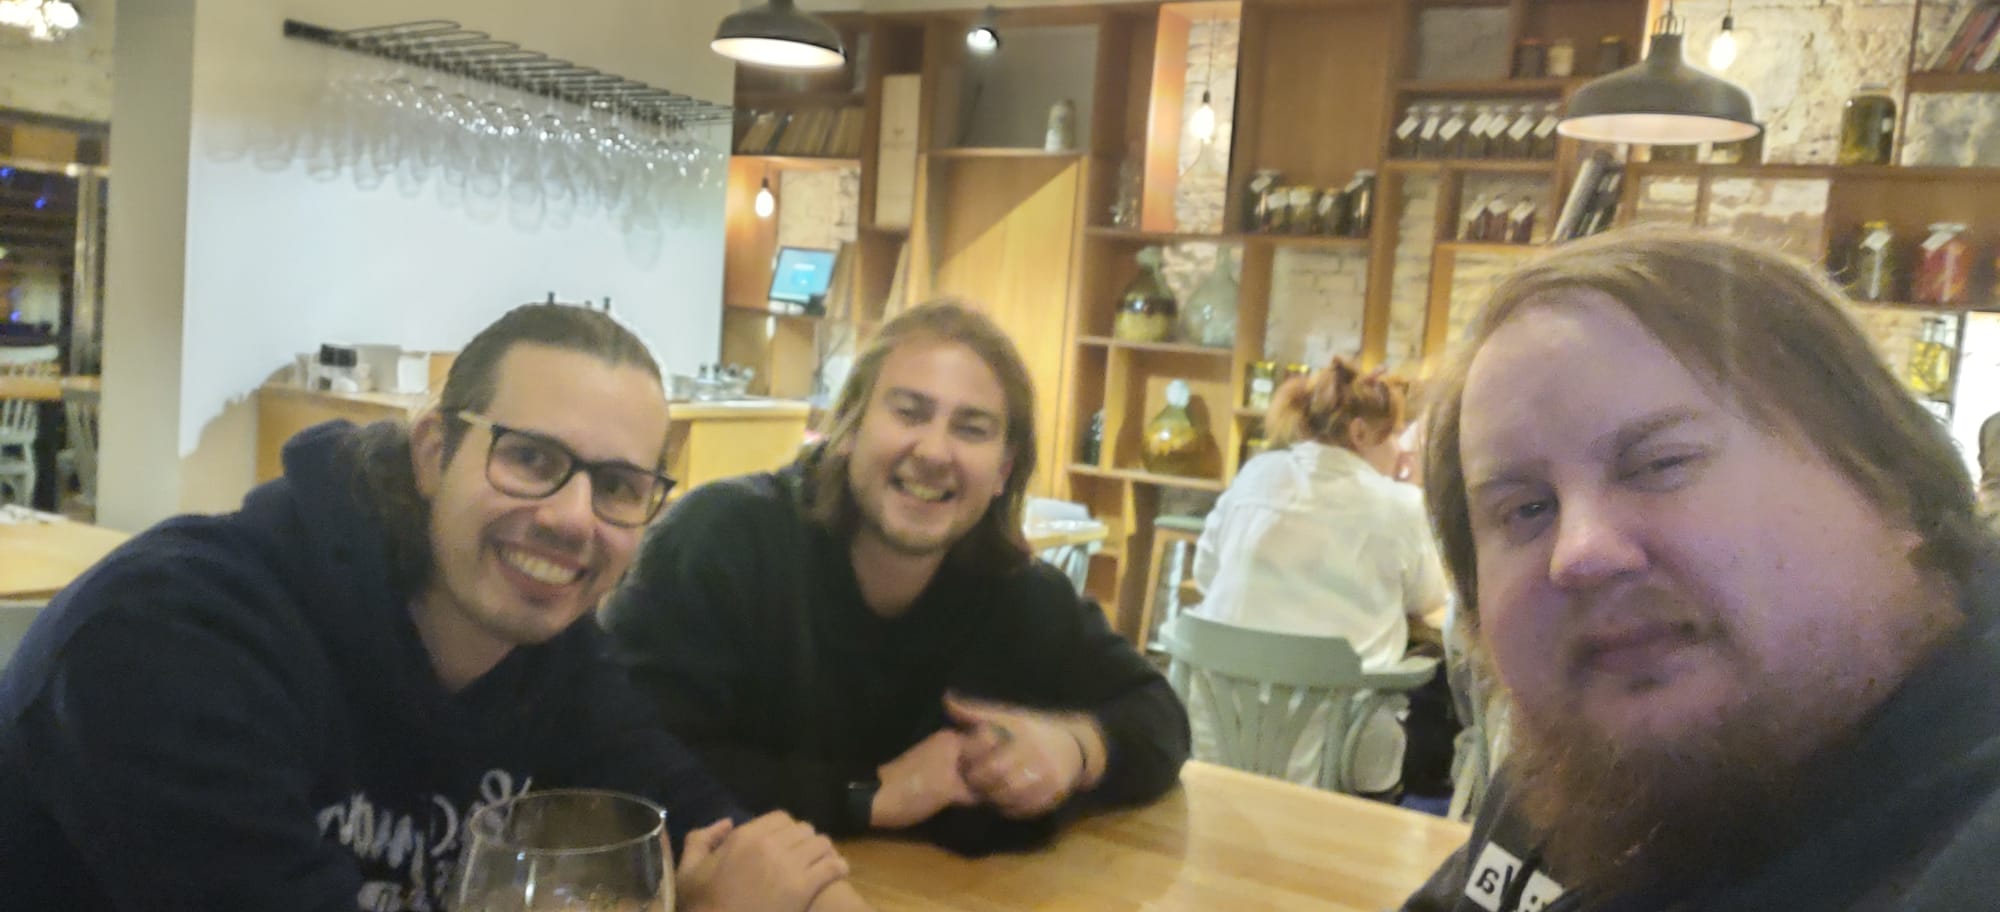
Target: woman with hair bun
1317,537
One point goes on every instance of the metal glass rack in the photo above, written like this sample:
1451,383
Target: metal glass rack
450,48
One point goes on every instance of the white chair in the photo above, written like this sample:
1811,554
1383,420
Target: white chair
78,462
1072,560
19,422
1261,688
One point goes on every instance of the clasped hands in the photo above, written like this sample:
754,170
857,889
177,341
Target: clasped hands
1021,761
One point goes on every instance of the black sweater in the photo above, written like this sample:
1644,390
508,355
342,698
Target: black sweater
235,712
746,625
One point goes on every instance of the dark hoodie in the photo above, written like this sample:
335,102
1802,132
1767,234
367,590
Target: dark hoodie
235,712
1904,817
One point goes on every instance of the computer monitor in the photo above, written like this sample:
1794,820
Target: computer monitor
800,276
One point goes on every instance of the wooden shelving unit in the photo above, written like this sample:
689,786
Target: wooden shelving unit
799,162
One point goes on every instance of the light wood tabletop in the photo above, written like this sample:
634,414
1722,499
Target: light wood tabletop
38,559
1223,840
45,389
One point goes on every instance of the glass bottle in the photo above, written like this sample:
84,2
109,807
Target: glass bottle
1944,266
1360,195
1519,133
1427,135
1210,315
1478,143
1404,145
1148,311
1610,54
1874,263
1091,447
1451,133
1262,382
1173,443
1543,143
1868,127
1530,58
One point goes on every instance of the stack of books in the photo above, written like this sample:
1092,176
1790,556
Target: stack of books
1975,42
812,132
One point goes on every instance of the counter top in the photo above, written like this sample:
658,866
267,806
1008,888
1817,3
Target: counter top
408,402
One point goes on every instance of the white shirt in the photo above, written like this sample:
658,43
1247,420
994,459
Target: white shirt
1313,540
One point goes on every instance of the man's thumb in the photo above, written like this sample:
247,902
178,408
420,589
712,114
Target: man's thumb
701,843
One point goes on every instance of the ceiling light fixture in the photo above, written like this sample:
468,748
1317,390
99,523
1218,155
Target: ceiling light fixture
1722,52
44,20
983,38
767,202
776,34
1661,100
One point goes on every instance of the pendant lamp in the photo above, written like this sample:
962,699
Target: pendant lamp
776,34
1661,100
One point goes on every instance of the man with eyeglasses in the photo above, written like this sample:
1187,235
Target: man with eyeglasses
298,705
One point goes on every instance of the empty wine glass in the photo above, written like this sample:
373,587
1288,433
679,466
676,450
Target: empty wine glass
566,850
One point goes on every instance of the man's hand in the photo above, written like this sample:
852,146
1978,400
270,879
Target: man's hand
771,863
1026,762
921,782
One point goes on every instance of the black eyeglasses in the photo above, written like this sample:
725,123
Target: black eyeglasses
529,465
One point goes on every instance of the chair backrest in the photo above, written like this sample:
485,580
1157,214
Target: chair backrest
1260,688
15,616
26,354
81,407
18,416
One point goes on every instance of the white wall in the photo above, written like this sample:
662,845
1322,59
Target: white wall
277,261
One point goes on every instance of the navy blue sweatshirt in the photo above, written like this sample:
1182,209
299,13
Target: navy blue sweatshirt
235,712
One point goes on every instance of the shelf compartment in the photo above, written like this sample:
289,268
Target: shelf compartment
800,162
1000,152
1472,165
1173,348
1133,236
1487,87
1494,247
1950,82
1140,476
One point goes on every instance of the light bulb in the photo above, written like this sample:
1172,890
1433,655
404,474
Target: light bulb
981,40
767,203
1723,52
1202,124
61,14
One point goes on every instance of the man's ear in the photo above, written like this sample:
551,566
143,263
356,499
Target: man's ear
1006,472
427,452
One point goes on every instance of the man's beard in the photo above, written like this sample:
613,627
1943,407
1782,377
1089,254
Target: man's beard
1705,805
1619,817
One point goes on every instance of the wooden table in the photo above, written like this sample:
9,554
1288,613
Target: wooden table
38,559
1223,840
45,389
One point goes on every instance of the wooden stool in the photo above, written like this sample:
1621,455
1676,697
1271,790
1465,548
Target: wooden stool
1168,530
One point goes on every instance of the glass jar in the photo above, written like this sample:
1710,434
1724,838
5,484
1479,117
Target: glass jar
1131,188
1173,443
1562,58
1944,266
1931,359
1868,127
1873,267
1210,315
1148,311
1260,382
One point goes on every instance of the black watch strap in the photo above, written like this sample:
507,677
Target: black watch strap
861,803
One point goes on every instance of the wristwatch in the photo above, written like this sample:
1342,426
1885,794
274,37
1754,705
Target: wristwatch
861,803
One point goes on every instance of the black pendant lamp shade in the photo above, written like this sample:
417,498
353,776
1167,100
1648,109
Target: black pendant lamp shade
776,34
1661,101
